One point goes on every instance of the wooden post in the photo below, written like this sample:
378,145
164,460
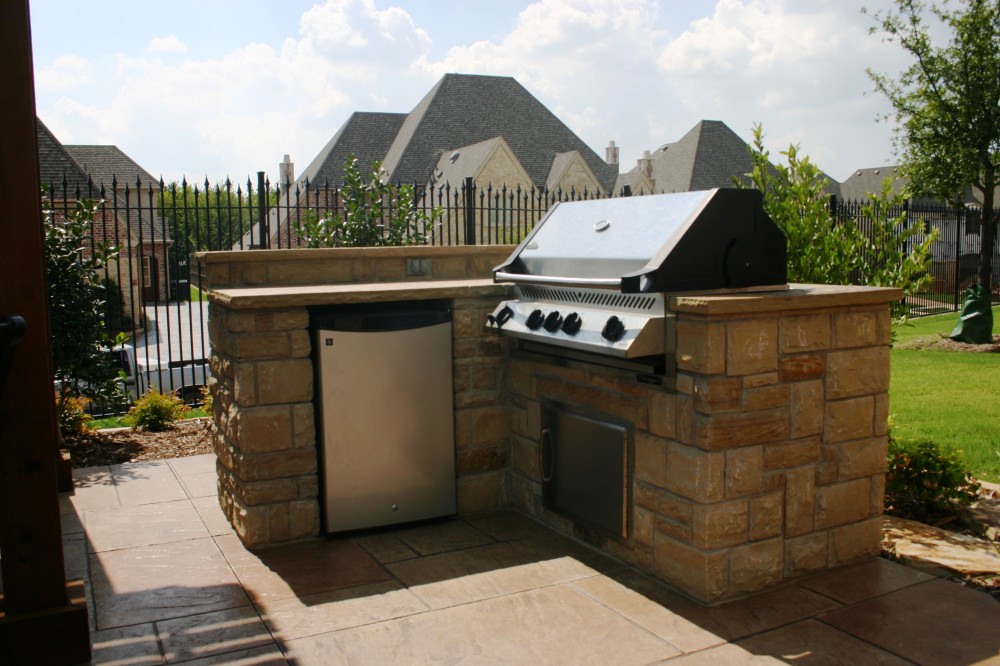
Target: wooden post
38,625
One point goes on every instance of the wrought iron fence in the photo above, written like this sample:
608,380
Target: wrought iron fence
160,225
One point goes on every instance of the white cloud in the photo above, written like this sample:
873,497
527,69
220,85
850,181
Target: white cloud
65,72
168,44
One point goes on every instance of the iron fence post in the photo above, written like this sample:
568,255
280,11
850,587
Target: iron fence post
470,212
265,235
958,253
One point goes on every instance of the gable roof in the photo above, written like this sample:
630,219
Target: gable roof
455,165
463,110
107,163
55,164
368,135
708,156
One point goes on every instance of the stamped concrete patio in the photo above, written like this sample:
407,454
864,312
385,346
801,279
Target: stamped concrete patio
167,582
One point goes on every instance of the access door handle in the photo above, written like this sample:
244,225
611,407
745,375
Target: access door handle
546,444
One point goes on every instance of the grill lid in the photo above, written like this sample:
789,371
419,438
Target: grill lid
686,241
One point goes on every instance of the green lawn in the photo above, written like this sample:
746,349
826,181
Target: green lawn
119,421
951,398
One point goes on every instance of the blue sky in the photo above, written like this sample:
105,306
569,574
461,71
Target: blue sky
220,87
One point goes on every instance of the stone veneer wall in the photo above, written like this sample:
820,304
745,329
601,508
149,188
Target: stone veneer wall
766,463
262,378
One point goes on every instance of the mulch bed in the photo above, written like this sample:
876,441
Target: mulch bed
944,343
122,445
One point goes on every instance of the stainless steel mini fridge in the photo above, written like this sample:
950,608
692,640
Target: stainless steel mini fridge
385,403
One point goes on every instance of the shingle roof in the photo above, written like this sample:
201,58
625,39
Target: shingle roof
708,156
107,163
863,182
55,164
462,110
367,135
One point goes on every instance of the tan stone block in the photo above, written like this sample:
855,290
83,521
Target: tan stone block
751,346
695,473
642,526
848,419
766,516
463,428
239,322
766,397
884,319
284,381
855,329
300,344
253,272
701,347
485,377
721,524
744,471
520,380
876,495
857,372
828,469
759,380
842,503
714,394
792,453
805,554
662,414
663,503
217,275
525,453
257,346
802,367
490,425
308,486
250,523
756,566
803,333
702,575
265,428
278,528
482,459
310,272
650,459
864,457
244,384
800,500
684,383
857,542
303,519
304,424
283,320
881,425
681,531
630,409
255,493
774,481
276,464
736,429
480,492
807,402
685,419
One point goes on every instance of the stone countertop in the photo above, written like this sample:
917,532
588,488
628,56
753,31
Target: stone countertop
804,296
257,298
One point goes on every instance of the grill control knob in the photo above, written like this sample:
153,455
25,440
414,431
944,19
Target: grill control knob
504,316
614,329
571,325
552,321
535,320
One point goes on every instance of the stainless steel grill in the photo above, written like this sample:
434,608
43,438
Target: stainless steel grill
593,276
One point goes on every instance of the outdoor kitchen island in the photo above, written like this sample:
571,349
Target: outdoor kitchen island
759,459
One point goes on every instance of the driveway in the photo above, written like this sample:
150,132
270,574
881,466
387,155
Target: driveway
175,332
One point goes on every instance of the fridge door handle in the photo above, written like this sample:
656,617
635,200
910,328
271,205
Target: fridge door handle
546,443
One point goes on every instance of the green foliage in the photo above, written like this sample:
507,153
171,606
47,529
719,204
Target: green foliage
206,399
375,213
824,250
73,266
947,102
73,417
925,483
892,255
819,250
155,411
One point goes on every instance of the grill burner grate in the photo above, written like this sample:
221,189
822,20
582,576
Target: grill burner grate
604,299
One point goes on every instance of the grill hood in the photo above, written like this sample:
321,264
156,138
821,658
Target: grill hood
686,241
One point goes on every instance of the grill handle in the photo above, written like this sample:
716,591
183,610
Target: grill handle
546,439
551,279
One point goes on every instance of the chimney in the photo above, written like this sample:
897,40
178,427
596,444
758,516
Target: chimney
286,174
646,163
611,154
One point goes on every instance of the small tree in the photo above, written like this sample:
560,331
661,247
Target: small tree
947,104
74,265
375,214
825,250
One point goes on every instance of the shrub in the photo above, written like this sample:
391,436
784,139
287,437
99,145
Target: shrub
73,417
925,483
155,411
206,398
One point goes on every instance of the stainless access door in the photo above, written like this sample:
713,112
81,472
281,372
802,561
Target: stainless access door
385,393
